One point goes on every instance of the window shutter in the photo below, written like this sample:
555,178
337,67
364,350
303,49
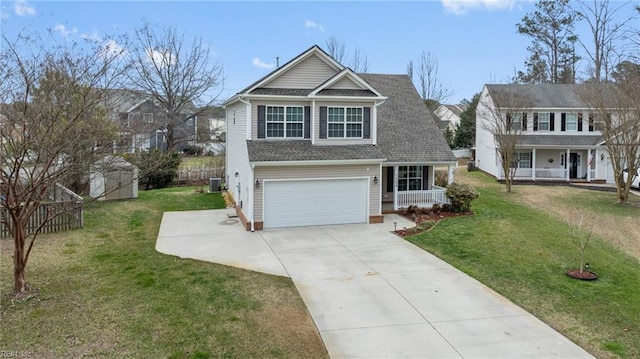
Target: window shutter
366,122
307,122
591,122
261,121
535,121
552,122
530,159
425,178
563,119
524,121
323,121
579,122
508,122
390,179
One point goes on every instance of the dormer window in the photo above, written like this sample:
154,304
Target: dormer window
344,122
285,121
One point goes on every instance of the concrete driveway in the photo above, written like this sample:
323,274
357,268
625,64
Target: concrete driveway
370,293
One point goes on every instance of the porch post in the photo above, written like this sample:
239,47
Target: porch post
450,175
533,164
395,188
596,155
589,160
566,165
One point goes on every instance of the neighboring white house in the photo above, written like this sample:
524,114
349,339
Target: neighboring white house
450,114
560,136
313,143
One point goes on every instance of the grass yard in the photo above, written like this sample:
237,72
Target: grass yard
202,161
105,292
518,244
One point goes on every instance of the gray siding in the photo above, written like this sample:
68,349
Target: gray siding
308,74
237,155
319,172
345,83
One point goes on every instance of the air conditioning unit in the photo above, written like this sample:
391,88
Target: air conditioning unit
214,185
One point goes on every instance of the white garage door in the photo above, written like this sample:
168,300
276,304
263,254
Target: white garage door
315,202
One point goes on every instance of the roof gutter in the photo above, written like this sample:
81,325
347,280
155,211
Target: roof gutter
316,162
248,132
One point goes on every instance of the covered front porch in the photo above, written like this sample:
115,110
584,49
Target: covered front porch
404,185
555,164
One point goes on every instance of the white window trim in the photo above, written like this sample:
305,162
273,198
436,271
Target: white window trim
547,121
516,118
284,122
344,123
566,126
408,178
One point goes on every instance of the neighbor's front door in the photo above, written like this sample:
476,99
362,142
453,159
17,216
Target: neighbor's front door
573,165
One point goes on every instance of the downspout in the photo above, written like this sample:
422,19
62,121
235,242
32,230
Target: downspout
374,126
248,134
312,125
251,196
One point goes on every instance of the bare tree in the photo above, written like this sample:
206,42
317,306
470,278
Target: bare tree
580,231
607,36
505,119
359,62
617,115
52,126
432,90
410,70
180,78
336,48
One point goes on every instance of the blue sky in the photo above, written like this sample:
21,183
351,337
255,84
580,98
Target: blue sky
475,41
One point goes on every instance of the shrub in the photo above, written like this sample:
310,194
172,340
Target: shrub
422,227
441,178
157,168
461,196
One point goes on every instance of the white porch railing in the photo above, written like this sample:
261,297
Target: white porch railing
422,198
593,173
551,173
523,173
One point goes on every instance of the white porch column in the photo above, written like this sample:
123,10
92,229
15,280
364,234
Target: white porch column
395,188
566,165
533,164
449,175
589,161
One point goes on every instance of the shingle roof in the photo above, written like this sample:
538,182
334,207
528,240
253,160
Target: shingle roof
542,95
303,150
346,92
554,140
407,131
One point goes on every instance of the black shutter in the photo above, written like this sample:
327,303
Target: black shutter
579,122
323,121
390,179
366,122
535,121
261,121
307,122
552,123
530,159
563,124
591,123
508,122
524,121
425,178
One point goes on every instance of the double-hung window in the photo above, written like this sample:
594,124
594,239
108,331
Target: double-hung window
543,121
284,121
409,178
572,121
523,159
344,122
516,121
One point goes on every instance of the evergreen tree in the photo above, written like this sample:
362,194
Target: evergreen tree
465,136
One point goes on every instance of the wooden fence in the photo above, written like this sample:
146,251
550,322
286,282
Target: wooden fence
199,175
64,214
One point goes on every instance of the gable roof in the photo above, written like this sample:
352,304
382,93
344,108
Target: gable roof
407,130
541,96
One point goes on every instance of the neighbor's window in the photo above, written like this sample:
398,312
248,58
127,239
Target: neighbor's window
409,178
516,121
147,117
572,121
284,121
344,122
524,159
543,121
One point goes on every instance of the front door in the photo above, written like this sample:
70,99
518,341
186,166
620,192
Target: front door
573,165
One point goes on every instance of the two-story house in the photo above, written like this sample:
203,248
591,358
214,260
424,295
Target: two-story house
450,115
313,143
559,137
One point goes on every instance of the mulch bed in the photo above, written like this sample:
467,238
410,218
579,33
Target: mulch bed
585,275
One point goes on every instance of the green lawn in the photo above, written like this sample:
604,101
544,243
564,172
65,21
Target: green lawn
105,292
523,254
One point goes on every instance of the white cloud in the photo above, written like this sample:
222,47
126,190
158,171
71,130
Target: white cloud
112,48
260,64
22,8
62,30
93,37
461,7
309,24
160,58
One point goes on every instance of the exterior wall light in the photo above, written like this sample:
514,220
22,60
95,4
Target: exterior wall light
257,183
375,179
